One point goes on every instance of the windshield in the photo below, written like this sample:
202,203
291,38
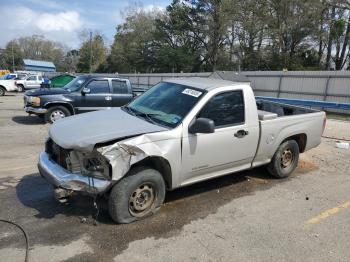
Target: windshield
8,77
75,84
166,103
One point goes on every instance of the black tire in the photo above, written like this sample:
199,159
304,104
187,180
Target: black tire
124,196
2,91
285,160
58,110
20,88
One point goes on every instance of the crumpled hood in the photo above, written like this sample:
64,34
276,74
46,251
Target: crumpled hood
84,131
46,91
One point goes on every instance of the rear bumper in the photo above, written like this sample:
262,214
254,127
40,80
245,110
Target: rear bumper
35,110
62,178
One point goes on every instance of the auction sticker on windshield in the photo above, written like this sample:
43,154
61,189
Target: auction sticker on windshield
192,92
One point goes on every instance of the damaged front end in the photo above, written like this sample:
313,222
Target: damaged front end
73,170
96,171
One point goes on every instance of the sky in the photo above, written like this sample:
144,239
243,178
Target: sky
63,20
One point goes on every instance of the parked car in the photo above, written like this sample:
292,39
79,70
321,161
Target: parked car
31,82
58,81
7,82
61,80
84,93
180,132
8,76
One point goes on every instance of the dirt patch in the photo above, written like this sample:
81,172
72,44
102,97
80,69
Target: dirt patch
305,166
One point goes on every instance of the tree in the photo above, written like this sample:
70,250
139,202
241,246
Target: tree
132,49
12,56
291,24
247,28
34,47
177,46
208,35
71,60
212,21
92,54
38,48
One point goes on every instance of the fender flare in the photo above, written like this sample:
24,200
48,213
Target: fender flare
69,105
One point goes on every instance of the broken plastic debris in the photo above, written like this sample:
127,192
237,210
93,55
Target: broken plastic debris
342,145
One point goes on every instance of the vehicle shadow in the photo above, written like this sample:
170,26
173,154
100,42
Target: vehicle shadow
35,192
260,174
28,120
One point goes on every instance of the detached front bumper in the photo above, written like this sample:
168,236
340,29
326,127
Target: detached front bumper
35,110
62,178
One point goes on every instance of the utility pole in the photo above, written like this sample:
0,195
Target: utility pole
90,52
13,59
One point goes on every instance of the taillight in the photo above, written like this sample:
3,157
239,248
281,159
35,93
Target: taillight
324,122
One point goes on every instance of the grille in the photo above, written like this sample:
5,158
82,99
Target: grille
57,153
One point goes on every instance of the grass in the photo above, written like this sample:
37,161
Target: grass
338,116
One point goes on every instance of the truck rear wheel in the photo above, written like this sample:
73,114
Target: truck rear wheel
55,113
136,196
285,160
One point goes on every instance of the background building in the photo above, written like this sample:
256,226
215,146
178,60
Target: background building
36,65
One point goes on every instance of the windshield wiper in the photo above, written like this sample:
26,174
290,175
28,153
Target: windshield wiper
148,116
129,110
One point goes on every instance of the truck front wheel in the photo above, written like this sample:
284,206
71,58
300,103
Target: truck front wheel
2,91
285,160
136,196
56,112
20,88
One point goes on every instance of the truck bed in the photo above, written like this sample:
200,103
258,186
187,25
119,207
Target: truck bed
270,110
279,121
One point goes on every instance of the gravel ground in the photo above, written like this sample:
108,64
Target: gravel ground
247,216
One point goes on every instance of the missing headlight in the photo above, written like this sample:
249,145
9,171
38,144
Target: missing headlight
90,164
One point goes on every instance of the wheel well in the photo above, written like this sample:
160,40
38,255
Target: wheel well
3,87
161,165
301,139
20,85
68,106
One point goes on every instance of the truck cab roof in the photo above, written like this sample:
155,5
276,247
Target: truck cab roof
203,83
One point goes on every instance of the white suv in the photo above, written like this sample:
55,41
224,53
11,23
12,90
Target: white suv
31,82
7,84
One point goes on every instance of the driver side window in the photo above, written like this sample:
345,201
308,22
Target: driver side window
31,78
225,109
98,87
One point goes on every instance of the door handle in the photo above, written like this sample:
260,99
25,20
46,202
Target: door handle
241,133
108,98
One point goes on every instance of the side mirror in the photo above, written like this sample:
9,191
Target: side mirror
85,90
201,125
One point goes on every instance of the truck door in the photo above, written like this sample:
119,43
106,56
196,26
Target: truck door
39,80
230,148
31,82
121,93
95,95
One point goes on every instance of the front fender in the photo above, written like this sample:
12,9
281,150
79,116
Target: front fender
57,102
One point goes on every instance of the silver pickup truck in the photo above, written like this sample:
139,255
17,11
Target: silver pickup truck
179,132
